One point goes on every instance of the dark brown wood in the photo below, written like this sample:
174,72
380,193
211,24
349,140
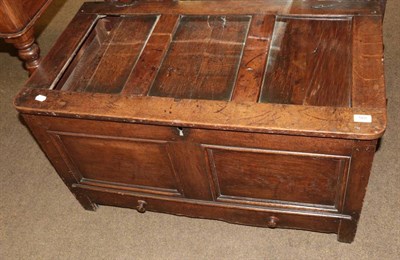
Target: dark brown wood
28,50
309,63
213,46
105,63
148,65
263,113
253,62
317,145
64,48
261,174
255,216
189,162
19,16
368,76
242,7
137,162
272,222
362,156
17,19
249,117
383,7
57,158
141,208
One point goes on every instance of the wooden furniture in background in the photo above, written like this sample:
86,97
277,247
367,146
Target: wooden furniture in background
263,113
17,20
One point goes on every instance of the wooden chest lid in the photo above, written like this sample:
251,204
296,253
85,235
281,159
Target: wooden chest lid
291,67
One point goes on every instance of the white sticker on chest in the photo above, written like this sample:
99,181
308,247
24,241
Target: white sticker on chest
40,98
363,118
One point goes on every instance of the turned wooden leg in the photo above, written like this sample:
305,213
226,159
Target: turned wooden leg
28,50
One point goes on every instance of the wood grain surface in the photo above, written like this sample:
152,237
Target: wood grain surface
18,16
244,7
309,63
252,66
213,46
145,71
246,116
128,161
242,111
111,51
243,174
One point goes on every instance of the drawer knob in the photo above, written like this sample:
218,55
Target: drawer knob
272,222
141,206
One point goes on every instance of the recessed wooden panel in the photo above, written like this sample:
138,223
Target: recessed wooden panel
309,62
120,160
108,55
256,174
203,59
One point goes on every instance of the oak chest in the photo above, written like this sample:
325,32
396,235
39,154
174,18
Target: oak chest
263,113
